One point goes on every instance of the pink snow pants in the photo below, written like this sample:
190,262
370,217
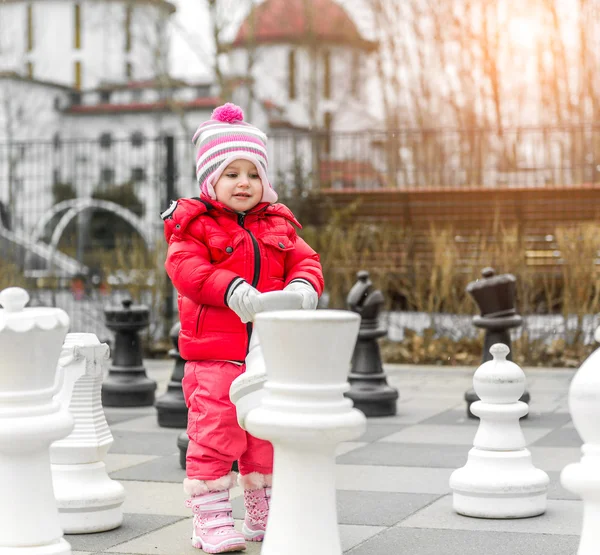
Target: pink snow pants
216,439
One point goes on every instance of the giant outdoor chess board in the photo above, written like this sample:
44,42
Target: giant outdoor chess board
393,493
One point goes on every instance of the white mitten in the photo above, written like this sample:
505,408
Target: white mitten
244,300
310,298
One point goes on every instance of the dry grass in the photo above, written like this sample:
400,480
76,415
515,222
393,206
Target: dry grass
433,279
11,276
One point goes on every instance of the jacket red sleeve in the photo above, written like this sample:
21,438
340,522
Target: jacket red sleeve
189,267
303,262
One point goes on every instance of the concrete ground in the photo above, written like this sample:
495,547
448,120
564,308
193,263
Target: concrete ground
393,493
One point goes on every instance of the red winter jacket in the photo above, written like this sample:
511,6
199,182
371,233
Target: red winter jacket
209,247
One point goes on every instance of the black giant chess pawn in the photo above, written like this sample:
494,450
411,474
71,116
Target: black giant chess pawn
368,384
495,297
171,410
182,444
127,384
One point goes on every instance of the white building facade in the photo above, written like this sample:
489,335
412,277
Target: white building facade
86,98
84,43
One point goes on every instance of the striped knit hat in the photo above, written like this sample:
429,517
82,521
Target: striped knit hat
227,137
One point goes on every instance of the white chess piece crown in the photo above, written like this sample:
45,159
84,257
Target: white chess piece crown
246,390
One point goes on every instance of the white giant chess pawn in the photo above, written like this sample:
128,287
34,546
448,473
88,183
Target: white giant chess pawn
499,479
30,420
583,478
88,500
304,414
246,391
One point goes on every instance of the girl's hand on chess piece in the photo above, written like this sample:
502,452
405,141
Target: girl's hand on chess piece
310,298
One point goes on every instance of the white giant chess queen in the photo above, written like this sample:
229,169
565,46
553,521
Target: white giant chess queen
31,419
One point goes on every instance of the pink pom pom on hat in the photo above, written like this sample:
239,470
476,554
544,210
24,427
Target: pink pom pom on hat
227,137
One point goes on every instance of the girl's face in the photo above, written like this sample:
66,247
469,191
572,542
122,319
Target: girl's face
239,186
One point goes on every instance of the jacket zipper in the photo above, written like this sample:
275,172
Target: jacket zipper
256,276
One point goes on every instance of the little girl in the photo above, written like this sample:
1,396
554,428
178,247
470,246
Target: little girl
225,247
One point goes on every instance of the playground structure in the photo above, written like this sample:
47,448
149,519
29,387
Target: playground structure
39,259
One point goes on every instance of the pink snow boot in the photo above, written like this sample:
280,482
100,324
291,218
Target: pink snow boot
257,513
257,496
213,523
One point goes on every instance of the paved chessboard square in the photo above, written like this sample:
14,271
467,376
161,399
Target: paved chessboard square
347,446
416,410
566,436
452,435
545,419
146,423
367,508
370,508
445,542
557,491
159,469
115,415
452,417
134,525
144,443
554,458
407,454
117,461
155,499
534,419
393,479
176,539
561,518
377,431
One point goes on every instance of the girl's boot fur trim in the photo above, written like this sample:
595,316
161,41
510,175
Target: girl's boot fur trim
194,487
255,481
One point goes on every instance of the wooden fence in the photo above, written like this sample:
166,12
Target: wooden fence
475,212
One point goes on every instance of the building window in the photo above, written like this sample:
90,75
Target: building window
137,139
77,27
326,74
355,75
29,27
78,71
105,97
30,70
136,95
327,124
292,74
56,141
138,174
128,70
128,14
106,140
203,91
107,176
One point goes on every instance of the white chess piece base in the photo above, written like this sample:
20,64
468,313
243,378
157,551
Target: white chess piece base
88,499
499,484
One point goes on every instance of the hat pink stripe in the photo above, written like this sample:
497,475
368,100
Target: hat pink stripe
225,140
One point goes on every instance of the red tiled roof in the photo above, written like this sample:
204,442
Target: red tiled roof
277,21
137,107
